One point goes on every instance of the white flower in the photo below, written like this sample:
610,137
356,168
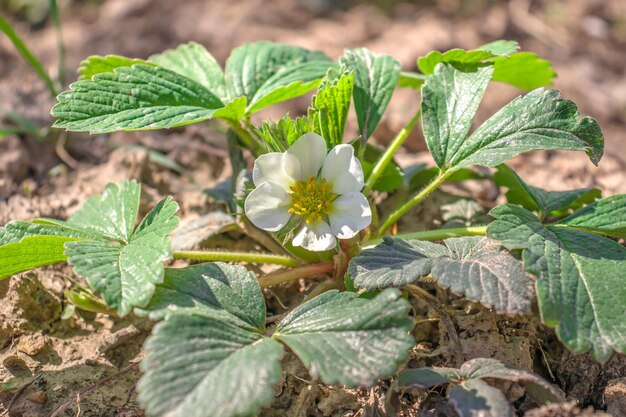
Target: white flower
324,190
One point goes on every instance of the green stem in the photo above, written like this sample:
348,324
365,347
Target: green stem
424,192
296,273
438,234
27,55
386,157
259,258
245,136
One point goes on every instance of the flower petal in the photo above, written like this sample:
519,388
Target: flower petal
315,237
269,168
305,157
267,207
343,170
351,214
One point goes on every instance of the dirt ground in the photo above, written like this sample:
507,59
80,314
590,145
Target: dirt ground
47,359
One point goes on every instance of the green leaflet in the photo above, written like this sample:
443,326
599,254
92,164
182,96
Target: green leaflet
539,120
206,288
474,267
290,81
375,78
329,108
477,398
537,199
348,340
134,98
605,217
523,70
581,282
196,63
215,313
31,252
97,64
195,364
252,65
450,99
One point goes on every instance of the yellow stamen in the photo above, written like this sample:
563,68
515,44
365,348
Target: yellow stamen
312,199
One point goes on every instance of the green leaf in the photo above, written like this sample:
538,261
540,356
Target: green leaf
196,63
17,230
125,272
348,340
250,66
523,70
474,267
474,398
97,64
290,81
392,177
207,288
394,263
538,388
375,78
198,365
463,213
605,217
134,98
581,285
329,109
486,52
427,377
539,120
538,199
31,252
450,99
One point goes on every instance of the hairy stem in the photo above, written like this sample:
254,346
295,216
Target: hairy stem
258,258
296,273
246,138
437,234
422,194
386,157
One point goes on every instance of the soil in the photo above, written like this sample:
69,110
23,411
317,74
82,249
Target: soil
46,359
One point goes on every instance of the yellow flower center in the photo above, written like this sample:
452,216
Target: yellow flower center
312,199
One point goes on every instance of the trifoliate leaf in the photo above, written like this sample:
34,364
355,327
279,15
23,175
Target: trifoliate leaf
329,108
348,340
538,388
252,65
96,64
134,98
523,70
375,78
32,252
581,284
198,365
474,267
605,217
124,272
196,63
539,120
450,99
290,81
538,199
207,288
474,398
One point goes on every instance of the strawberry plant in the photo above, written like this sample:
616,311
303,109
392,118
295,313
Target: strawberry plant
315,195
